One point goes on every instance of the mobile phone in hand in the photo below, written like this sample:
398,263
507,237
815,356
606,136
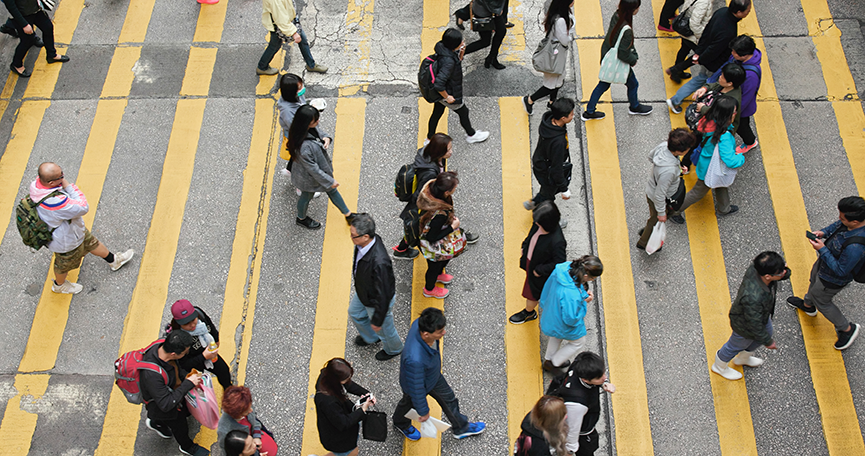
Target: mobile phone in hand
810,235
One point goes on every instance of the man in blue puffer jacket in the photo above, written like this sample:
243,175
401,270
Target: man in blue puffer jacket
420,374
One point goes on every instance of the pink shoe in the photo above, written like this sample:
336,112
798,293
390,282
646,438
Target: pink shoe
437,292
665,29
208,2
445,278
745,148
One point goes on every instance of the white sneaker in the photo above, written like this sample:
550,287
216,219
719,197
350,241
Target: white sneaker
677,109
746,358
67,287
121,258
479,136
721,368
317,194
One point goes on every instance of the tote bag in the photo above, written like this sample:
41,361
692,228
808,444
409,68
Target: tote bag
550,56
613,70
718,175
446,248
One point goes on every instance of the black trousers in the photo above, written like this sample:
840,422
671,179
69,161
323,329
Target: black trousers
433,269
684,50
222,371
488,38
179,427
745,131
439,110
464,13
546,193
668,12
43,23
588,444
544,91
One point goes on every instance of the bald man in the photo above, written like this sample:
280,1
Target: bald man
71,241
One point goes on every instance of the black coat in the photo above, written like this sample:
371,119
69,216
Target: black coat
338,424
424,171
374,281
550,154
195,357
714,45
550,250
534,443
449,75
20,8
163,402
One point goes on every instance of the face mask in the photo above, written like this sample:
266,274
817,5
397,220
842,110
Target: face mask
301,91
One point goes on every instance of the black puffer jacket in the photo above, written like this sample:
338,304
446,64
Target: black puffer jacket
753,306
424,171
449,76
550,154
531,441
374,280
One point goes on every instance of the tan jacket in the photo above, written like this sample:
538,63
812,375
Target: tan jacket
279,13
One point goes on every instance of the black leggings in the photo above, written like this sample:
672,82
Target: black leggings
745,131
488,37
439,110
544,91
433,269
668,11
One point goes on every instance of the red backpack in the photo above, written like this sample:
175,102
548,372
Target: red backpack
126,372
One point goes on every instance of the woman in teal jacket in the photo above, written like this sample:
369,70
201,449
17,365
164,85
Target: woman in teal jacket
716,125
563,305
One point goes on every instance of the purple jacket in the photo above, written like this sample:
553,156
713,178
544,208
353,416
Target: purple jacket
751,85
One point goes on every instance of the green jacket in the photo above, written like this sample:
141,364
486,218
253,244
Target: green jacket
754,304
627,52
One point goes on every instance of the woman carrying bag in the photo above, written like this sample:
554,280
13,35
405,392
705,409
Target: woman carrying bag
495,11
338,419
237,415
441,236
559,26
616,66
698,14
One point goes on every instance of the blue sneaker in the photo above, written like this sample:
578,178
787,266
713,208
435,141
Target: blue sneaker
472,429
411,433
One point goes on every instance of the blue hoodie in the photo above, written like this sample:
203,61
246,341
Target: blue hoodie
419,369
564,305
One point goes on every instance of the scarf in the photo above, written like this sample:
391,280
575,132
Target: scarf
204,338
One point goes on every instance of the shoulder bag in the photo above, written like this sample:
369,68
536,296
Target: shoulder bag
481,17
682,22
718,175
446,248
614,70
550,56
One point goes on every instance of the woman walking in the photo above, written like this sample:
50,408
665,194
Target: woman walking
312,170
620,26
700,13
338,421
202,354
441,236
559,25
291,91
542,250
496,10
563,305
544,429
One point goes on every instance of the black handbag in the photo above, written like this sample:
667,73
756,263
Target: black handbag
375,426
675,202
481,17
682,22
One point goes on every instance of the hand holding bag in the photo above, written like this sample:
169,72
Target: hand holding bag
659,234
718,175
614,70
481,17
550,56
446,248
201,402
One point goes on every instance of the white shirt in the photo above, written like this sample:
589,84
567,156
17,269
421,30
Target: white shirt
361,251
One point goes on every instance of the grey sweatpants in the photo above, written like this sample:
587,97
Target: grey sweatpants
821,297
699,190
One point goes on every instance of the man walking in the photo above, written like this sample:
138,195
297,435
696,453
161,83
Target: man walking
29,15
751,315
165,403
371,307
61,209
420,373
581,390
841,250
712,51
551,155
280,19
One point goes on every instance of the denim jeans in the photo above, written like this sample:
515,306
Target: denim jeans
632,84
444,395
361,316
274,45
699,74
737,343
306,197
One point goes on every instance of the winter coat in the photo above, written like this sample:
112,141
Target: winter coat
550,154
163,402
63,213
449,76
20,8
374,280
563,305
727,150
751,84
195,358
227,423
550,250
539,445
438,213
713,48
496,7
279,14
287,110
627,52
664,180
837,265
419,369
312,170
752,308
701,12
338,422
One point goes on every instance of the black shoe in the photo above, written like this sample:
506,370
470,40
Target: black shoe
586,116
684,75
57,58
523,316
552,368
362,343
677,219
641,110
38,43
641,247
846,338
509,24
799,303
350,218
494,62
24,74
195,450
459,24
308,222
471,238
382,356
675,77
407,254
163,431
11,31
527,105
733,210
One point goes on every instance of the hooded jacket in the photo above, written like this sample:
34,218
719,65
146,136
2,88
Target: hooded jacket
563,305
727,150
664,180
838,263
449,77
753,306
287,110
312,170
374,280
714,46
550,154
63,213
420,367
163,402
437,213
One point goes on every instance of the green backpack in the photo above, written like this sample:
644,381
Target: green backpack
34,232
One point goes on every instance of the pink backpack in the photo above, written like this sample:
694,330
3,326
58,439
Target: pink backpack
126,372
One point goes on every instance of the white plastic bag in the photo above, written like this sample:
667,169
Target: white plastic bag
428,429
718,175
659,234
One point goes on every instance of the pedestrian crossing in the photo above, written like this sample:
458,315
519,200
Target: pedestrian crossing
283,292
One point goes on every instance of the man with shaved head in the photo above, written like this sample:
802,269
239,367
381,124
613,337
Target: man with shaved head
71,240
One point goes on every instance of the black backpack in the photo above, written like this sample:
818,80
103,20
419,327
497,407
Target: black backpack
858,275
426,78
406,183
411,227
34,232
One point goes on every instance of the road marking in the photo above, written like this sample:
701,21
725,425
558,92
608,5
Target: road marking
16,433
137,20
621,324
334,287
358,23
522,343
266,82
514,46
211,20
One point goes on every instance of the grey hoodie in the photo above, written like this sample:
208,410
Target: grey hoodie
664,180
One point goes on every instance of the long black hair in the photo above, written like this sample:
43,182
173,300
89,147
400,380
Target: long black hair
333,374
305,115
289,84
626,16
558,8
721,113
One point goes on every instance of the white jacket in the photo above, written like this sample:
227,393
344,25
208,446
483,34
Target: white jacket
63,213
701,12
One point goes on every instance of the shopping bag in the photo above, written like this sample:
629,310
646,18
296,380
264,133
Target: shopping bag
429,428
550,56
201,402
375,426
659,234
718,175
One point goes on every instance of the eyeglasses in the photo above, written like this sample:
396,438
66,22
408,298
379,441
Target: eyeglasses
59,178
358,236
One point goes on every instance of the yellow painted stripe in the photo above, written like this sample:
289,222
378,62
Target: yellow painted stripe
334,288
16,433
210,22
66,21
522,343
41,84
358,19
137,20
266,83
9,87
118,82
198,83
622,329
514,46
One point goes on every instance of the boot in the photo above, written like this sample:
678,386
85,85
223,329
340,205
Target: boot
747,358
721,368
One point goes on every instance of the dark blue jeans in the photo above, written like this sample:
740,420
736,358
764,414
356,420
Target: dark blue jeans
444,395
602,87
274,45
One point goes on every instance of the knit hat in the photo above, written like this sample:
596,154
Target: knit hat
183,312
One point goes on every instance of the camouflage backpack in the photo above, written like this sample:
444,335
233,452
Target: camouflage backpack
34,232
